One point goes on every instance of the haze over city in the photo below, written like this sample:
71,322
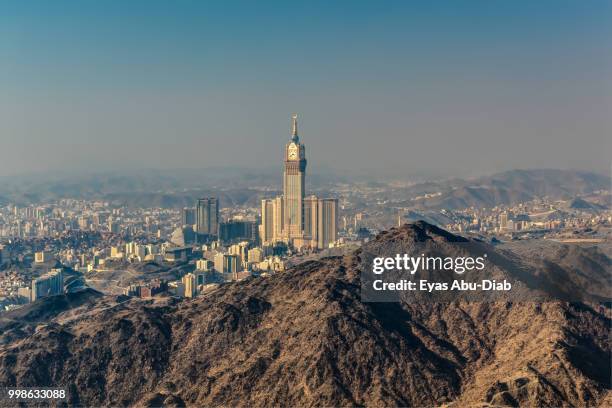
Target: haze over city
316,203
452,88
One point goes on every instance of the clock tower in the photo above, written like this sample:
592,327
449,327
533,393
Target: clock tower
299,221
293,184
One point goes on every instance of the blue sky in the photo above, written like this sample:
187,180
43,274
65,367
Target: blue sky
381,86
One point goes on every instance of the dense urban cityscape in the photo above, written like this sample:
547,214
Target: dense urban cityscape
73,243
432,229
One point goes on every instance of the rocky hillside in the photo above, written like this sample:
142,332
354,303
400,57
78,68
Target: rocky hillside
305,338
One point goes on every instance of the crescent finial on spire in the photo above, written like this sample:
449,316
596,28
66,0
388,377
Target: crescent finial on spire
294,130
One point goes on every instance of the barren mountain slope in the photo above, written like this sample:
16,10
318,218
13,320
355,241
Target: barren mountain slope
304,338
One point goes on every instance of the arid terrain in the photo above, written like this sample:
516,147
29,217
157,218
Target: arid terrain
305,338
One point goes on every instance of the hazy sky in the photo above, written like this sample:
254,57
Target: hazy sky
457,87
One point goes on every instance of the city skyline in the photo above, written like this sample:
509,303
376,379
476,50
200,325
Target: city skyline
454,88
308,203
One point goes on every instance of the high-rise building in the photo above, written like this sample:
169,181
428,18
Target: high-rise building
116,253
130,248
29,212
100,218
241,249
49,284
207,216
83,222
293,218
266,229
227,263
503,221
114,226
24,294
238,230
190,284
327,218
278,215
43,256
204,265
311,204
294,176
255,255
188,216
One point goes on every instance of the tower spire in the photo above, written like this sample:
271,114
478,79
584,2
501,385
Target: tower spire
294,131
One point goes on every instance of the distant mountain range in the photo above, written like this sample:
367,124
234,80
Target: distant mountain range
179,188
163,188
509,187
580,204
305,338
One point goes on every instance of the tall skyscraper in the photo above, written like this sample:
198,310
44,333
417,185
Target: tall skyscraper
266,229
327,217
188,216
293,218
310,217
278,215
294,176
207,216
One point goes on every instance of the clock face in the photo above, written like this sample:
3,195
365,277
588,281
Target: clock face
292,152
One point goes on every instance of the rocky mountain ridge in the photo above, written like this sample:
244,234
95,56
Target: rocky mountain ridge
305,338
